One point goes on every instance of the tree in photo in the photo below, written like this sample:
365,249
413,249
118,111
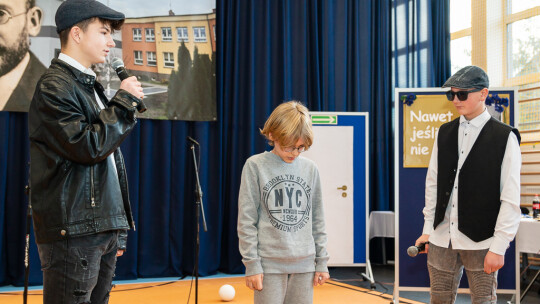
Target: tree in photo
180,83
192,88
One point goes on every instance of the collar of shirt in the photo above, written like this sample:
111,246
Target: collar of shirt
478,121
74,63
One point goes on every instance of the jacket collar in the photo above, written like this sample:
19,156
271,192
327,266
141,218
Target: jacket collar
81,77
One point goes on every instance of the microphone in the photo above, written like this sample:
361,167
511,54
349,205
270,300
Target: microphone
415,250
118,66
193,140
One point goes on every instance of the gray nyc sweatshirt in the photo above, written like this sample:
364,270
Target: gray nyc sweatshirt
280,216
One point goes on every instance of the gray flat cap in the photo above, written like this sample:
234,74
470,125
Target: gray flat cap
72,12
469,77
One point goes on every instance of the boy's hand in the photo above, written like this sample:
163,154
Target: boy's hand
493,262
133,86
120,252
320,278
424,238
255,282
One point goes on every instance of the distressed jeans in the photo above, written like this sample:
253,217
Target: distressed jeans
445,267
79,270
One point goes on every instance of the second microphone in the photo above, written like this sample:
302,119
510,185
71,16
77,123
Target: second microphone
118,66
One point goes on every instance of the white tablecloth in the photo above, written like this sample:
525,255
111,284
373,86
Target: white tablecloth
528,236
381,224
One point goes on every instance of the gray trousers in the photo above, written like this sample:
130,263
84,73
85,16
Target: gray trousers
445,267
296,288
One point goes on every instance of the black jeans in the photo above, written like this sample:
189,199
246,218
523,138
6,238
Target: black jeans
79,270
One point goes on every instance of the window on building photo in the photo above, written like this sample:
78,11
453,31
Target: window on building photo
182,33
149,34
137,35
168,60
166,34
137,55
151,59
199,34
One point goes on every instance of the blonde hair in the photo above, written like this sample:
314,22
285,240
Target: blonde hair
288,123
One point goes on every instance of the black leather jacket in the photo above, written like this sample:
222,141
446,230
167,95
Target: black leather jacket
75,189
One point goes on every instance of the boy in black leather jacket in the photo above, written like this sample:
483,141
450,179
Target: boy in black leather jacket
79,188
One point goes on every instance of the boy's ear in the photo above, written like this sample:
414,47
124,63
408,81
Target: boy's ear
270,136
75,34
485,92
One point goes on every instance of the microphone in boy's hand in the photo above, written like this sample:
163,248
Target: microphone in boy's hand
415,250
118,66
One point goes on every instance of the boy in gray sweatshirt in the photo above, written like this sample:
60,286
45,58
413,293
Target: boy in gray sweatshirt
281,231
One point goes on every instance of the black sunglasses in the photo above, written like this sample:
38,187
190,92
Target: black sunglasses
461,95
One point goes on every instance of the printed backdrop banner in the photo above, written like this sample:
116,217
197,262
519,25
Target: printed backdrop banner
425,111
421,121
169,46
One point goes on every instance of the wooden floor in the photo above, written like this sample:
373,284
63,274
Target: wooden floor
178,291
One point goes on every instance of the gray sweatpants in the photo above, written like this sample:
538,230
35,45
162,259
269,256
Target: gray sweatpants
445,267
296,288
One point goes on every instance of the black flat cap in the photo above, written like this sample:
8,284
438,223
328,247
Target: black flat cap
469,77
72,12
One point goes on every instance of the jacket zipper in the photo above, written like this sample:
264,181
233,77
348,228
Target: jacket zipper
92,197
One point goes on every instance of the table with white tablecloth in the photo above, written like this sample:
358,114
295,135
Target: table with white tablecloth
382,224
528,236
528,241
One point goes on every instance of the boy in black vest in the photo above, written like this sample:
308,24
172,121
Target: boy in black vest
472,207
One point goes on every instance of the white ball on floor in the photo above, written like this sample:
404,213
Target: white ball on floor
226,292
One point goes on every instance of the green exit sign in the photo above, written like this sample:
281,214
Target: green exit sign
324,119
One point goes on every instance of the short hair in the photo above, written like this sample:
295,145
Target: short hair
30,4
288,123
83,25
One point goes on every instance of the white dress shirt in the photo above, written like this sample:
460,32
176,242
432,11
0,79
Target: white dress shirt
74,63
509,213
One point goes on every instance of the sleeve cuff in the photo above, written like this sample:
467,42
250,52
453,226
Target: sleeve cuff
122,239
125,100
499,246
321,265
253,267
428,227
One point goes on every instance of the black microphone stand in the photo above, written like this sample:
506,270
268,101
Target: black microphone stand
27,242
200,209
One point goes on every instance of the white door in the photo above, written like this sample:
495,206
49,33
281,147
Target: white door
332,151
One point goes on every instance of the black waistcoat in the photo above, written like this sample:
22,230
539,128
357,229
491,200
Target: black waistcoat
479,177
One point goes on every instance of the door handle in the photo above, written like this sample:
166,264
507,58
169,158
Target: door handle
344,188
